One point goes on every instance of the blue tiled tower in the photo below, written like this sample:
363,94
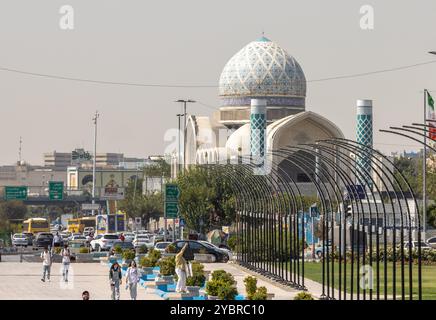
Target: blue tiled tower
364,135
258,130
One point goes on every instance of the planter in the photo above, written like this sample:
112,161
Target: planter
126,262
204,257
270,296
147,270
212,297
168,279
84,257
194,290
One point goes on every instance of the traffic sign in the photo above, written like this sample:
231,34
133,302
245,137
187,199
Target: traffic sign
16,193
90,206
172,193
171,210
55,190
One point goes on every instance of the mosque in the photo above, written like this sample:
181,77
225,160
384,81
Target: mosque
260,71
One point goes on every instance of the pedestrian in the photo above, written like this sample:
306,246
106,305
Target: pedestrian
85,295
66,259
46,264
56,240
115,278
181,270
132,278
122,238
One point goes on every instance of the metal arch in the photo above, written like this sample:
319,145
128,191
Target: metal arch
373,163
414,199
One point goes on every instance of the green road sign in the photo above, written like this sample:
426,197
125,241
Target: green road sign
171,210
172,193
55,190
16,193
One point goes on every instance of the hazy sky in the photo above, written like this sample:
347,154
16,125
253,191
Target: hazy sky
186,42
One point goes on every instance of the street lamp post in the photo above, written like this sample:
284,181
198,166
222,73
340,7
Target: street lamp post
95,119
184,101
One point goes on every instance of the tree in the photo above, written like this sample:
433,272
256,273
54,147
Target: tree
13,210
431,215
207,200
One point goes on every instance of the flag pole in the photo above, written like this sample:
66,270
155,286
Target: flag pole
424,172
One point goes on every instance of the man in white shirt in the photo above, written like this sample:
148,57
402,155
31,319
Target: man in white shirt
46,264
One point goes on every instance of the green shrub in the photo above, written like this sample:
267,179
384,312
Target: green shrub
167,266
143,249
232,242
128,254
154,255
250,286
118,250
198,278
260,294
146,262
223,276
170,249
303,296
57,250
212,287
227,291
84,250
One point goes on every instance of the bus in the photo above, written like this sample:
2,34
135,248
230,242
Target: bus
77,225
73,225
36,225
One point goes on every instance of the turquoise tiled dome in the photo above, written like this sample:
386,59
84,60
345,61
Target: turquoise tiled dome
262,69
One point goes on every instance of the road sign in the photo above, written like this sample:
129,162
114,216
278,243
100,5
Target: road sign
55,190
112,193
172,193
90,206
16,193
171,210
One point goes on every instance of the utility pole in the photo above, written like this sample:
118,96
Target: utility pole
184,102
19,151
179,167
95,119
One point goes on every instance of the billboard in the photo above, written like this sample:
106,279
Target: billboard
101,223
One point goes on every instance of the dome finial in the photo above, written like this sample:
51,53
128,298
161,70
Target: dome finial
263,38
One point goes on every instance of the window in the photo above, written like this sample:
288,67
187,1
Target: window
195,246
180,244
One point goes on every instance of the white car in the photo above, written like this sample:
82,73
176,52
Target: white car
141,240
432,242
104,242
161,246
129,236
78,238
19,239
87,231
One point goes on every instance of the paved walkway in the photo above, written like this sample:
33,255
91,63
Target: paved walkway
23,281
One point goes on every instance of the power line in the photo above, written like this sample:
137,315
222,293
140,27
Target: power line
160,85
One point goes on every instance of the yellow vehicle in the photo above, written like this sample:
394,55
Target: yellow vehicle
79,224
73,225
36,225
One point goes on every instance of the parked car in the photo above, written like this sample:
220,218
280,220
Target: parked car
75,247
19,239
424,245
161,246
142,239
87,231
129,236
94,241
432,242
199,247
78,238
74,235
29,237
104,242
43,239
123,244
225,249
